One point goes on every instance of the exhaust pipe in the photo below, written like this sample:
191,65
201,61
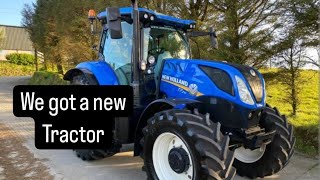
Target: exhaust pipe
136,56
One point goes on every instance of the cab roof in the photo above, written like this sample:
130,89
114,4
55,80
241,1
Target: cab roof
159,18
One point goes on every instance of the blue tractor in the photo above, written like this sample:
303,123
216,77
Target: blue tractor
193,119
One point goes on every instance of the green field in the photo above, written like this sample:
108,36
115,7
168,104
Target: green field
306,122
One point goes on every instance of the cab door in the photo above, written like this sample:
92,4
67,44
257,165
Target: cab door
117,53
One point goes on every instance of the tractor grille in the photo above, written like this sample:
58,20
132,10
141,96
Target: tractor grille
221,79
254,81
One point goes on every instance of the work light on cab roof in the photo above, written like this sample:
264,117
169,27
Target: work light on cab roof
91,14
92,17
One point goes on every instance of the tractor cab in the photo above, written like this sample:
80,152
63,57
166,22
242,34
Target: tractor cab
161,36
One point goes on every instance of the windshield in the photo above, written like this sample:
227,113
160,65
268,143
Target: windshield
165,40
117,52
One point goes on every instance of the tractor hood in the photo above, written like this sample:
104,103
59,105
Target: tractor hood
241,84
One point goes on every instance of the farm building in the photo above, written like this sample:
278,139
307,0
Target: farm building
15,40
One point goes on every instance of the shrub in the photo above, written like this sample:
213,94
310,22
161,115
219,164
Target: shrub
47,78
20,59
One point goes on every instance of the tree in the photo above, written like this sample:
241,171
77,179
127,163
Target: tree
246,29
34,20
304,15
203,13
27,22
60,30
290,62
300,34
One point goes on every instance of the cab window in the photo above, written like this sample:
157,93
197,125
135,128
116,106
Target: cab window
117,52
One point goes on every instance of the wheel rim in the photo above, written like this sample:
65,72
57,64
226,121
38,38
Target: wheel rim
248,155
160,152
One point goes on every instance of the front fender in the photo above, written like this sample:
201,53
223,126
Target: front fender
101,70
154,107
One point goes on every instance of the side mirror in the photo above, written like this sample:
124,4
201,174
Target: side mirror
213,38
114,23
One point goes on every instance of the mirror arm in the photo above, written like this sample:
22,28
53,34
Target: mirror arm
211,33
200,34
197,34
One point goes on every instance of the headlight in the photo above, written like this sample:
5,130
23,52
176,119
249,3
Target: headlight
244,93
265,91
151,60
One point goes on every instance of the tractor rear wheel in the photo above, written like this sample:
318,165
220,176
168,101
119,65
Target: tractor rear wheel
96,154
93,154
269,159
178,144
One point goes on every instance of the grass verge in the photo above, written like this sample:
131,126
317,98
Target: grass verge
9,69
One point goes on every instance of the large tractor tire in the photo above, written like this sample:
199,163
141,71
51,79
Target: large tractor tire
92,154
181,145
271,158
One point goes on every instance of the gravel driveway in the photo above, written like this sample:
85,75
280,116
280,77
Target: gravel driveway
20,159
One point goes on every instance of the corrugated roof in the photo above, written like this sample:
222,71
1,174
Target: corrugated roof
16,38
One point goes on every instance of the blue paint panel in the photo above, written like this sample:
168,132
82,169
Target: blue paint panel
102,71
189,70
168,20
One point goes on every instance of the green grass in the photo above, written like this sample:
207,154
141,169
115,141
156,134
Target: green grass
9,69
47,78
306,122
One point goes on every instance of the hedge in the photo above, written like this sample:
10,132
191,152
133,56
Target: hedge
20,59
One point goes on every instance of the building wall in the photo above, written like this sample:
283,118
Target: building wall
16,40
3,53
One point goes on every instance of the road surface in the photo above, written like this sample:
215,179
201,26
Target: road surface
21,160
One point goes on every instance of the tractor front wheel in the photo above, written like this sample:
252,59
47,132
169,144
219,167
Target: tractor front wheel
268,159
178,144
